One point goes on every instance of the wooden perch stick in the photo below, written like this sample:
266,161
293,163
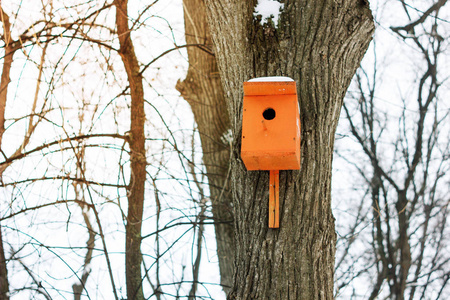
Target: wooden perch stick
274,199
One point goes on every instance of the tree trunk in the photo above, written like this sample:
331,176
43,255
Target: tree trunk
320,45
4,284
202,89
5,79
136,140
6,70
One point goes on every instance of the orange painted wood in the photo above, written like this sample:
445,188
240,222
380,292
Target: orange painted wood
271,141
271,134
274,199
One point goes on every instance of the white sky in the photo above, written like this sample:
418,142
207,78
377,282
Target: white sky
268,9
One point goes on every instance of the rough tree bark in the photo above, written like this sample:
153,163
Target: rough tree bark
320,45
203,91
136,141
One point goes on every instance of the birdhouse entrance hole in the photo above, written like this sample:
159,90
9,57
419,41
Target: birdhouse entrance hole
269,114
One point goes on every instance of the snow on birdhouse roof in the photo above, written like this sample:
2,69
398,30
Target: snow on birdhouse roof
271,79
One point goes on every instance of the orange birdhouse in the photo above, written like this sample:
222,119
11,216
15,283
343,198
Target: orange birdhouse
271,131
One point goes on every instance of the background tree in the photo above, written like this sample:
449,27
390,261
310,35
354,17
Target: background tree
397,240
66,226
136,140
12,45
202,89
